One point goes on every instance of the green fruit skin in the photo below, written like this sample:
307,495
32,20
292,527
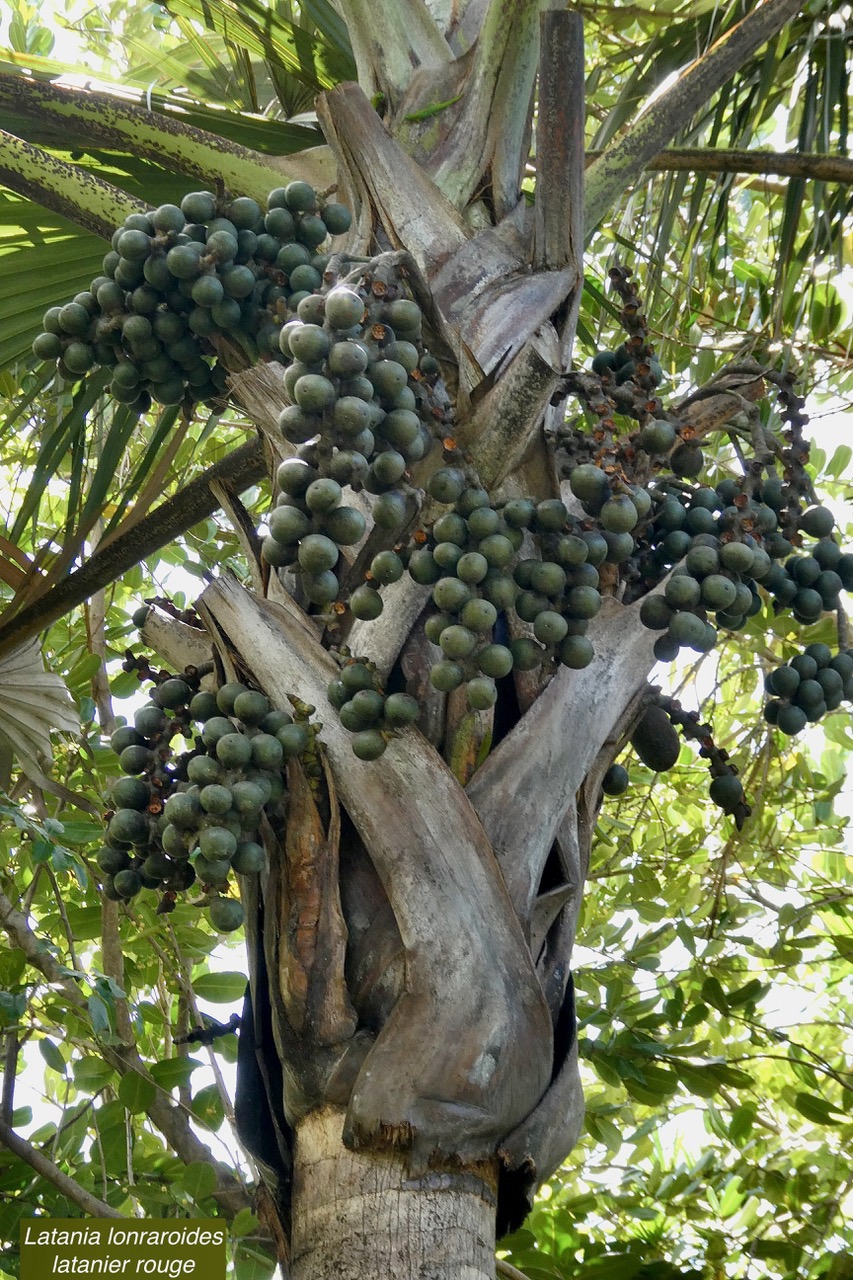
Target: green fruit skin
226,914
655,740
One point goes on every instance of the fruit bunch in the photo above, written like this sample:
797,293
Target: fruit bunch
358,380
726,541
196,818
366,711
178,279
804,689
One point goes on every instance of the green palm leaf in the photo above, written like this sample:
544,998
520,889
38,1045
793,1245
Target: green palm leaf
311,57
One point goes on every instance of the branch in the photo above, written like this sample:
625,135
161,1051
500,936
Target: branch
64,188
46,1169
104,120
242,468
172,1122
787,164
622,163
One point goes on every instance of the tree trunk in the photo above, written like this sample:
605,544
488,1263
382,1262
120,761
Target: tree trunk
410,940
360,1215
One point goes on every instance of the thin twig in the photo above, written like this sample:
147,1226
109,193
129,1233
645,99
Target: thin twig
51,1173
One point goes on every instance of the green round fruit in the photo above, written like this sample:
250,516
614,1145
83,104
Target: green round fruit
386,567
446,484
366,603
457,642
234,750
478,615
111,861
481,693
400,710
317,553
227,694
726,791
615,781
215,728
135,759
495,660
575,652
127,884
682,591
172,694
446,676
157,866
267,751
817,522
527,655
423,567
655,613
657,437
821,653
226,914
547,578
472,567
344,525
519,513
618,514
451,527
389,510
131,793
583,602
367,705
215,798
550,627
687,460
150,720
589,483
337,218
249,858
250,796
368,744
250,707
551,515
203,771
344,308
497,550
784,682
687,628
293,738
450,594
217,844
183,811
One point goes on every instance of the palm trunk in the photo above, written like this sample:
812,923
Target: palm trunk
363,1215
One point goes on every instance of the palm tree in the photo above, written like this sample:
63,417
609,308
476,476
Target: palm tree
424,1025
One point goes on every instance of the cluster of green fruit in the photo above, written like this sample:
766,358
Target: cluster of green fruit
625,363
658,745
358,382
366,711
470,560
177,279
196,817
724,543
804,689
